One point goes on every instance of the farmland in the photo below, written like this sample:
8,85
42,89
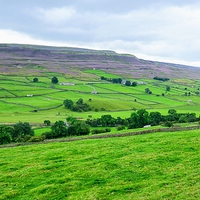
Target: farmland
161,165
19,95
152,166
83,69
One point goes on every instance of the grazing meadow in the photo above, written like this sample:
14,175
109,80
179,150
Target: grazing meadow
152,166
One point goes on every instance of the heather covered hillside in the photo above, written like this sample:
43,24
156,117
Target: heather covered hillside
30,59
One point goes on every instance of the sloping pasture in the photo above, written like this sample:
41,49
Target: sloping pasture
152,166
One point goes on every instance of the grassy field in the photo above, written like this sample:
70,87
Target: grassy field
144,167
115,99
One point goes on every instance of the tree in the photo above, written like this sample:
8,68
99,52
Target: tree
68,103
80,101
191,117
70,120
139,119
106,120
172,111
119,80
172,115
128,83
5,134
183,119
168,88
134,84
21,130
133,121
143,117
47,122
54,80
35,80
59,129
5,138
155,118
161,79
148,91
79,128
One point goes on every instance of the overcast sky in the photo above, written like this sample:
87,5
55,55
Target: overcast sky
163,30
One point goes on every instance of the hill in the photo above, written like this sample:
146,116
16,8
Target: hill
16,59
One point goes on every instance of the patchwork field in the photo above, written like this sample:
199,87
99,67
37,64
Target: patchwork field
19,96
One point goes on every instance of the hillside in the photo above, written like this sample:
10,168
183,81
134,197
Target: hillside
31,59
152,166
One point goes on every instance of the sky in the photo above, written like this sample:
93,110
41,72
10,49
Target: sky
159,30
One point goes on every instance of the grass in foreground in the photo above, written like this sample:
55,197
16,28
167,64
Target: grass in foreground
153,166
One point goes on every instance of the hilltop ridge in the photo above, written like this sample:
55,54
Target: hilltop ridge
15,58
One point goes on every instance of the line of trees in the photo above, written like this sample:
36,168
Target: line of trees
142,117
23,132
113,80
72,127
119,81
161,79
19,132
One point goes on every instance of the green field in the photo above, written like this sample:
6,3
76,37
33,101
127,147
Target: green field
153,166
115,99
116,158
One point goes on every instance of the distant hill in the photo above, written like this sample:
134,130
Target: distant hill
17,58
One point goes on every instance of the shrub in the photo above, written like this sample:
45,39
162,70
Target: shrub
168,124
48,135
97,131
5,138
37,138
119,128
108,129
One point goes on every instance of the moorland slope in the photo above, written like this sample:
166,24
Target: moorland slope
18,59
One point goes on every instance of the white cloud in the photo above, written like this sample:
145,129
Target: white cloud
10,36
168,33
55,15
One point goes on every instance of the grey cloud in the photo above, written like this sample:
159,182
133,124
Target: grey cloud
161,28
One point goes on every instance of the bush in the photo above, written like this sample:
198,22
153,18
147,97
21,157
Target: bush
97,131
48,135
108,129
5,138
37,138
119,128
168,124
